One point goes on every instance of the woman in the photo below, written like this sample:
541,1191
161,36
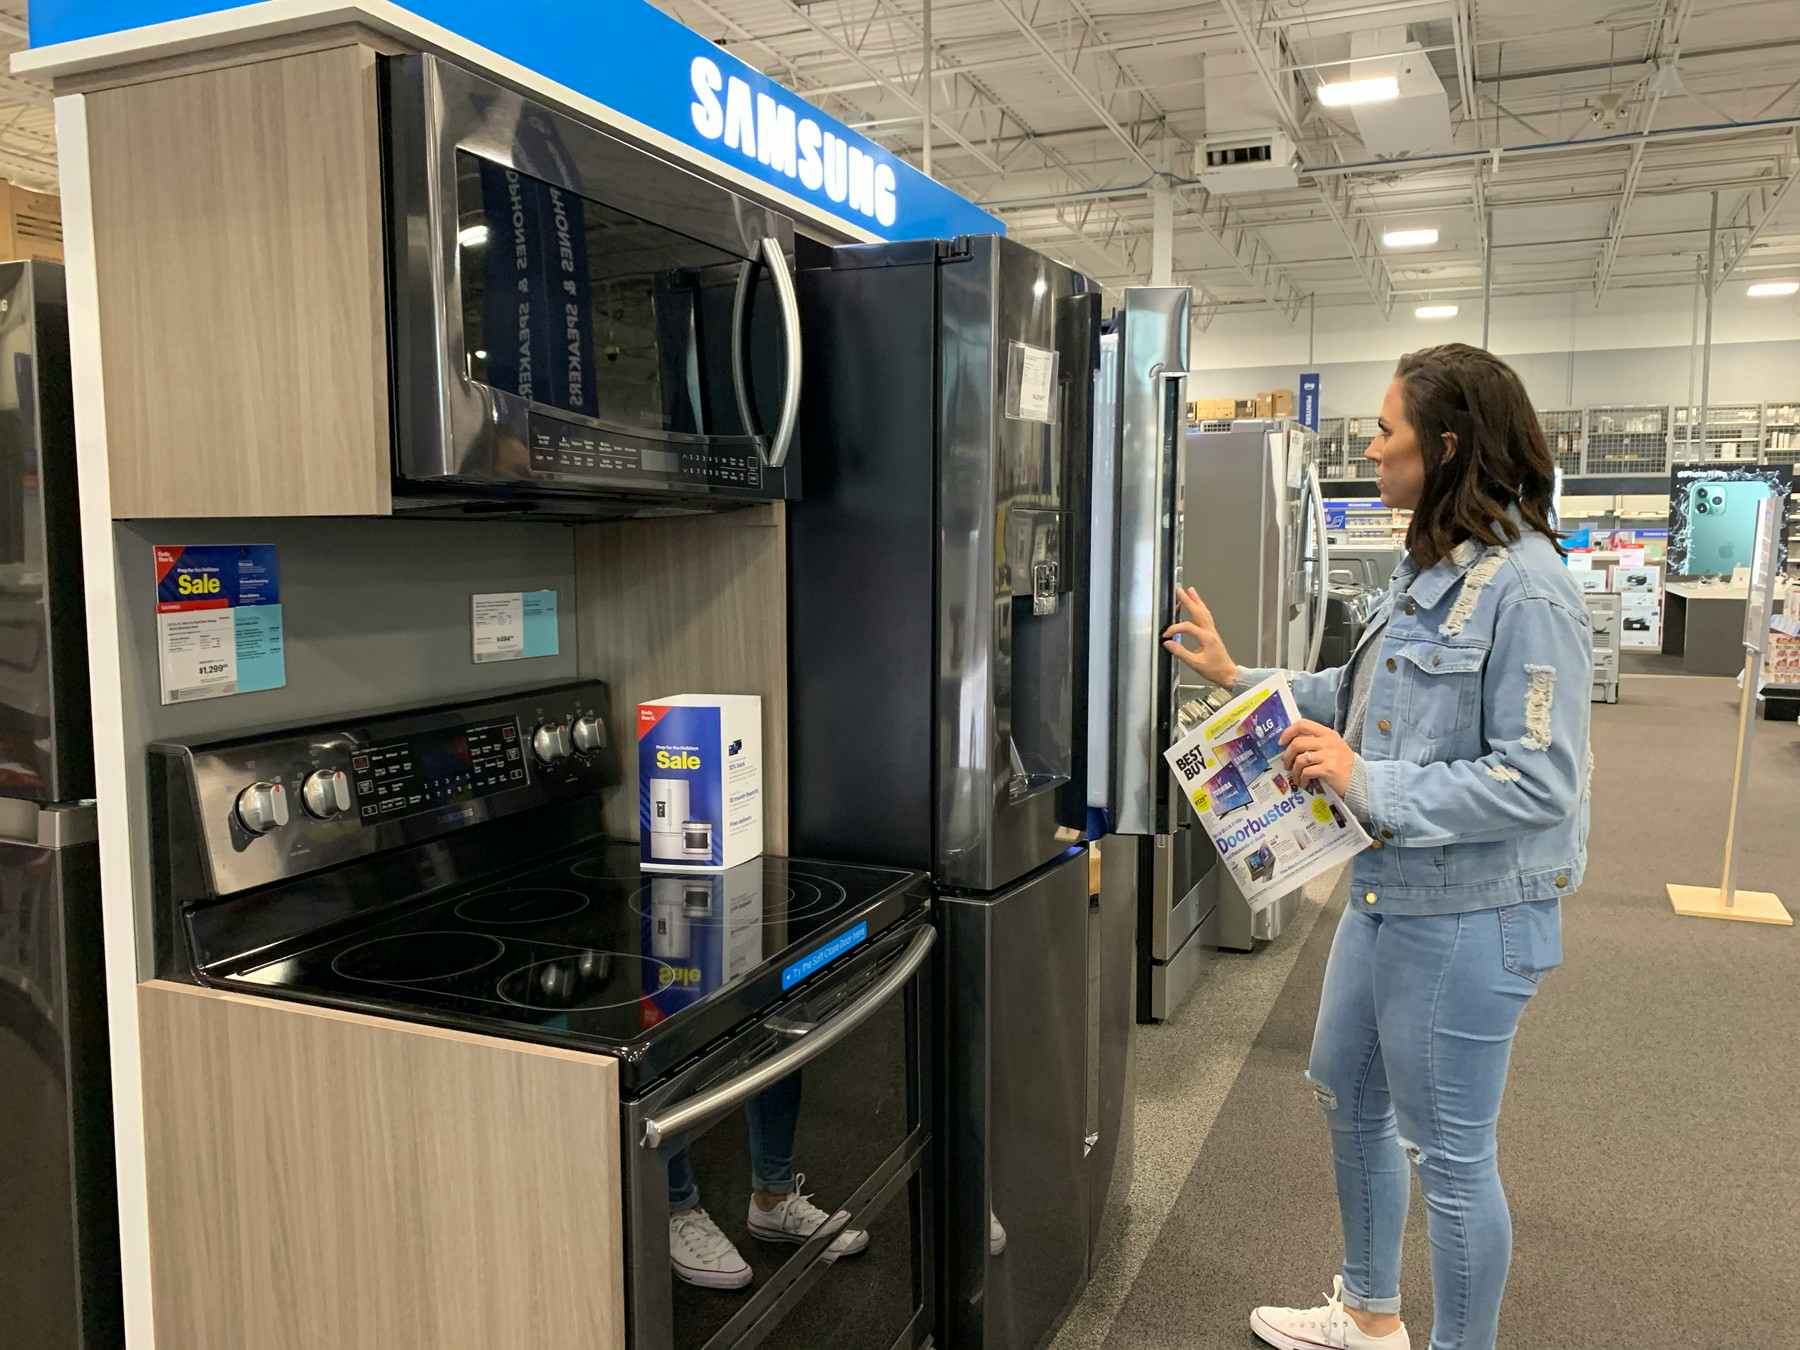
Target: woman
1458,735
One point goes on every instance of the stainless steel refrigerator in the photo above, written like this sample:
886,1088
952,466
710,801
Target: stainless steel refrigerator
1256,548
1141,502
59,1264
939,629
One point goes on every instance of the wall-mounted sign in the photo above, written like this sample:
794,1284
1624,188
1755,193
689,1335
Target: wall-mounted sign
513,625
218,620
639,62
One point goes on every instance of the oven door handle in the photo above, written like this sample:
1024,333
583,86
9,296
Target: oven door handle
776,261
705,1107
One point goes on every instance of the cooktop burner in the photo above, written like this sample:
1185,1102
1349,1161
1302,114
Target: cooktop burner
533,904
591,949
417,957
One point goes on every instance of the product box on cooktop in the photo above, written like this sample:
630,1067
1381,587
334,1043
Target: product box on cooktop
700,783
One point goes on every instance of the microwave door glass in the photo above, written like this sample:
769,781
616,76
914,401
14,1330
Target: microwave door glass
587,309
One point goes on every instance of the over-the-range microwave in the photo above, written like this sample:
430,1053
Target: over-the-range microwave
578,327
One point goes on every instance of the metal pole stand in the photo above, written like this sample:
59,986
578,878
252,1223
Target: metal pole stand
1726,901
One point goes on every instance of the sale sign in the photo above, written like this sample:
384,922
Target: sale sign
218,620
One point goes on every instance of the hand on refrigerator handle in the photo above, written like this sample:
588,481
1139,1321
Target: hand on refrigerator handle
1316,753
1207,657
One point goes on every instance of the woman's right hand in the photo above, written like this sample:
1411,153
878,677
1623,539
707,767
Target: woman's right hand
1207,655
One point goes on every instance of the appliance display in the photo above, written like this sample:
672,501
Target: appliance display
938,632
59,1248
792,995
950,452
1262,519
580,327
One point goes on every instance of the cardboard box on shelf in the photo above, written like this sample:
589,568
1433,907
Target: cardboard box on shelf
1265,405
1212,409
1246,407
1285,402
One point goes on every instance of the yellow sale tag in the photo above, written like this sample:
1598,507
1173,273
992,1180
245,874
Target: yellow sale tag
1321,810
1202,800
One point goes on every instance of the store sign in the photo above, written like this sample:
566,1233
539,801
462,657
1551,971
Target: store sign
1309,400
639,62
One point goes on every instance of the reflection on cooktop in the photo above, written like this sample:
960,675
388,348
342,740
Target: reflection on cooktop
716,898
579,982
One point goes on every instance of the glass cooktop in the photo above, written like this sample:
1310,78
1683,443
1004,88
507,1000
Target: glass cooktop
594,951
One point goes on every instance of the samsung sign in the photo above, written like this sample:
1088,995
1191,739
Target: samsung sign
792,143
644,66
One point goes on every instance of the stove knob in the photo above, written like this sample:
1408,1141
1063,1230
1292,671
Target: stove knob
262,807
589,734
550,742
325,793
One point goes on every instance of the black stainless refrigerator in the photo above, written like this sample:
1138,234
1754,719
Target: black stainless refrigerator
1144,491
59,1261
939,636
1262,522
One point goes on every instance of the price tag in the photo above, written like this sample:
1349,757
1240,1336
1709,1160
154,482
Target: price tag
218,621
513,625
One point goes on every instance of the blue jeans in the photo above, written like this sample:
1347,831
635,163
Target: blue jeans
1409,1063
772,1116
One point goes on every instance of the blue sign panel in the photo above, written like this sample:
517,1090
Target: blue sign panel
820,957
1309,400
636,60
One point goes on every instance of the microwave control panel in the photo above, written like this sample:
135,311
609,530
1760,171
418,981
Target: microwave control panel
562,449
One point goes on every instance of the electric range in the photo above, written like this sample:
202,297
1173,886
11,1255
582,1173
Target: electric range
446,866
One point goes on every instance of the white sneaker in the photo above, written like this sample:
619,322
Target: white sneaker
702,1254
797,1218
1327,1328
996,1236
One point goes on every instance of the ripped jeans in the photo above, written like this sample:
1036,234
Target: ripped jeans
1409,1063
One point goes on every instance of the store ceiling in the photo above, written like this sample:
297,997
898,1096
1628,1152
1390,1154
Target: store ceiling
1060,115
1057,115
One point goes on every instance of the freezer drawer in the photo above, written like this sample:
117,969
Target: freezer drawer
1014,1100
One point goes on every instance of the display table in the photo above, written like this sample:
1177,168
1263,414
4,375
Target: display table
1703,624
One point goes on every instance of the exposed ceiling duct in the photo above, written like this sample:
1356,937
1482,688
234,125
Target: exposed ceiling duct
1244,149
1419,118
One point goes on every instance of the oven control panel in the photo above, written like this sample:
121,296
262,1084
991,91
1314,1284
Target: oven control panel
268,808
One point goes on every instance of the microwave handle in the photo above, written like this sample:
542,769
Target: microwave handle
740,300
704,1107
776,261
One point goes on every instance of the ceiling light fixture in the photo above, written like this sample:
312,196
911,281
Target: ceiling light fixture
472,236
1353,93
1435,312
1765,290
1409,238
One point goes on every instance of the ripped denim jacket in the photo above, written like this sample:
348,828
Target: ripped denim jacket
1475,742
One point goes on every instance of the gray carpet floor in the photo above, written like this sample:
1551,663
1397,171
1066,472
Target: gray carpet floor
1651,1128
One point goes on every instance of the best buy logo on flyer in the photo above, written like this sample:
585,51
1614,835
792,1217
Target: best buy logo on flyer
1202,800
1321,810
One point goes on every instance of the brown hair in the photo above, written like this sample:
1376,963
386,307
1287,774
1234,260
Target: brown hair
1500,458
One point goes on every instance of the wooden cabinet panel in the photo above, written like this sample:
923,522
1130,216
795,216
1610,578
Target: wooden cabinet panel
689,605
238,247
322,1180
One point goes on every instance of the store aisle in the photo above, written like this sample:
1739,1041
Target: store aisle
1649,1132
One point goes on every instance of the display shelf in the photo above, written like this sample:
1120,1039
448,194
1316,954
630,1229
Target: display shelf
1359,433
1562,432
1331,447
1214,424
1781,433
1627,440
1733,434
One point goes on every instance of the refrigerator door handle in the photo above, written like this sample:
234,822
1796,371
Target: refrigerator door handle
1322,570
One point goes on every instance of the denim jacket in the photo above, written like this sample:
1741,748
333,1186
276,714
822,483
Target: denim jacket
1475,743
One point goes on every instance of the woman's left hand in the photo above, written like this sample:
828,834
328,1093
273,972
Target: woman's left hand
1317,753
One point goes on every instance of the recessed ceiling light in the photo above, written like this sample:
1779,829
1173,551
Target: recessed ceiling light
472,236
1350,93
1435,312
1763,290
1409,238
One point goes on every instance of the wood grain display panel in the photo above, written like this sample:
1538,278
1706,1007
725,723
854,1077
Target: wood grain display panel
322,1180
689,605
238,246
